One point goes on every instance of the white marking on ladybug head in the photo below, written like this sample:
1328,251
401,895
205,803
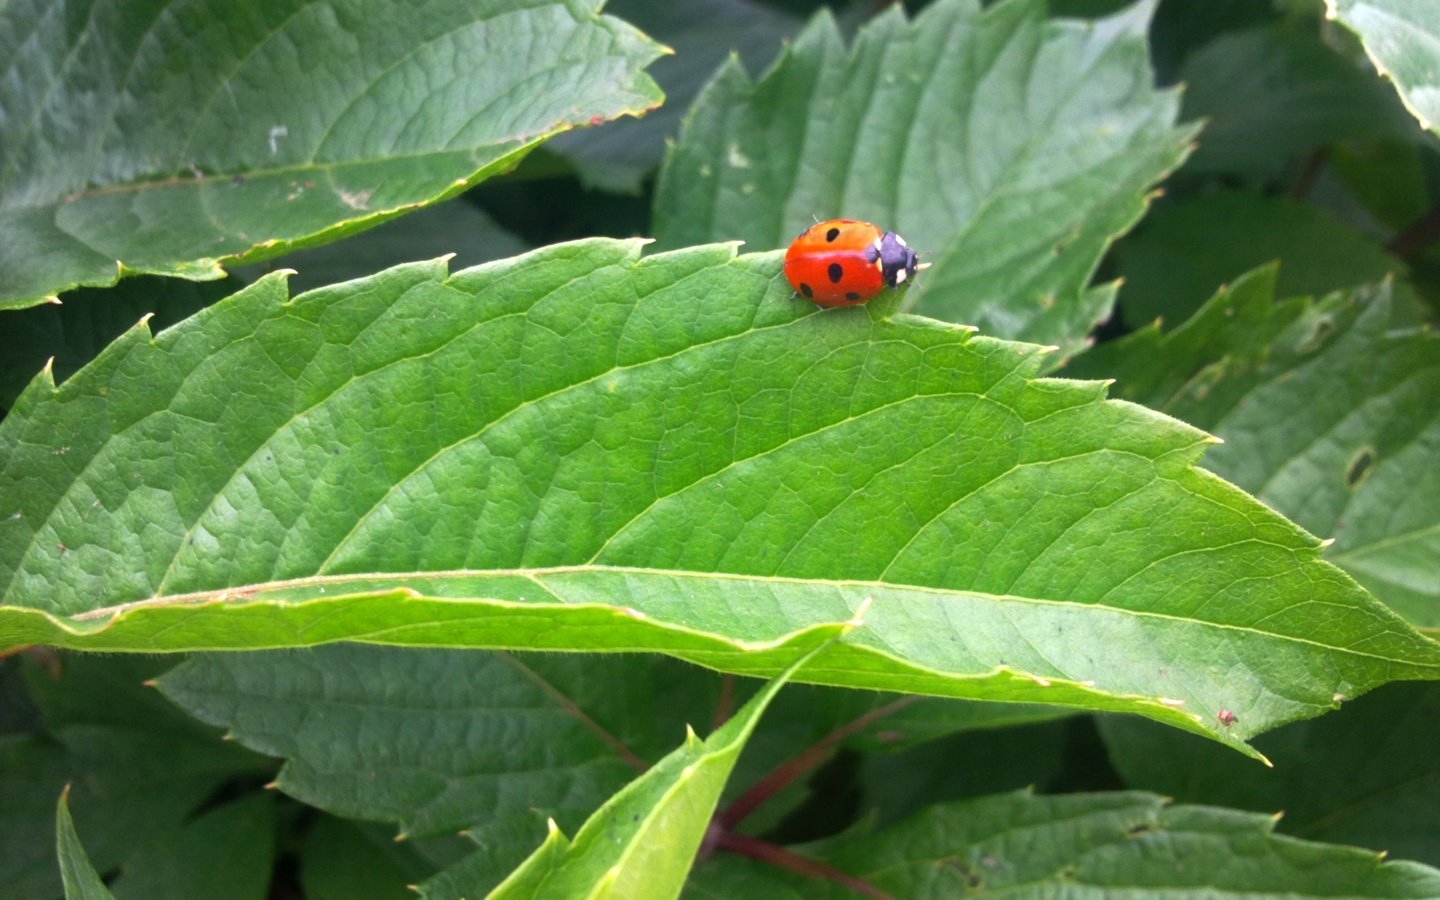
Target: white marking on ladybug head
877,245
901,241
900,277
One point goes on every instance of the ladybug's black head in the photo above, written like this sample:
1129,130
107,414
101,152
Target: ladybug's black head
897,260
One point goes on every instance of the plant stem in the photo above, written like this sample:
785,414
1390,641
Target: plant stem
1418,235
801,763
766,852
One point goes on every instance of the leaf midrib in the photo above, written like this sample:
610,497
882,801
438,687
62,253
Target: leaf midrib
539,573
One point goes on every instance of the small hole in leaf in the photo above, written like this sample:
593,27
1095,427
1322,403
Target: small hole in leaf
1359,467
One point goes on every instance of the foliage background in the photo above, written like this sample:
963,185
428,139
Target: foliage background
1290,255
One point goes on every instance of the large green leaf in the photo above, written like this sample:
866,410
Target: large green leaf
1080,846
1010,149
1327,414
1365,775
439,741
176,136
1402,38
580,449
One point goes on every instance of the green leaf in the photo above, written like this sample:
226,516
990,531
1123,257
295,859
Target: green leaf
1188,249
1327,414
1402,38
702,33
641,843
504,737
1375,758
82,882
138,767
1271,93
456,226
178,136
342,860
1009,148
75,330
580,449
225,854
1080,845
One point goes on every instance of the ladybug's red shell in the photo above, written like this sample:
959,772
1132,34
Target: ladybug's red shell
844,262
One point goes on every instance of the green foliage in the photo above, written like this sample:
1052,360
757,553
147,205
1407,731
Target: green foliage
176,136
1008,147
492,510
1400,37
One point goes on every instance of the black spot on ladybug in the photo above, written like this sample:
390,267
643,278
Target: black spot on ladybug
832,234
837,272
852,296
805,289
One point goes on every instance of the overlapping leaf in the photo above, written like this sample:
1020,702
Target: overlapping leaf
1080,845
1327,414
1374,758
82,882
174,136
1402,38
580,449
1008,147
641,843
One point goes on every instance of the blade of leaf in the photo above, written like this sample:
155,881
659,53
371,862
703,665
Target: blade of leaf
1375,758
702,33
82,882
1009,148
1402,38
1081,845
641,843
580,449
504,736
226,853
179,136
1327,414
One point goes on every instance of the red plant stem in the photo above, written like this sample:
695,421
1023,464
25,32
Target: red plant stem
1417,235
801,763
763,851
725,705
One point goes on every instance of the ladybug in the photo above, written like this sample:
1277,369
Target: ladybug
845,262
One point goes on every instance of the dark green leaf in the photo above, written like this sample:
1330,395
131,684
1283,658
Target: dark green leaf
1009,148
581,449
224,854
1274,92
702,33
1366,775
176,136
137,767
1080,845
343,860
1188,249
